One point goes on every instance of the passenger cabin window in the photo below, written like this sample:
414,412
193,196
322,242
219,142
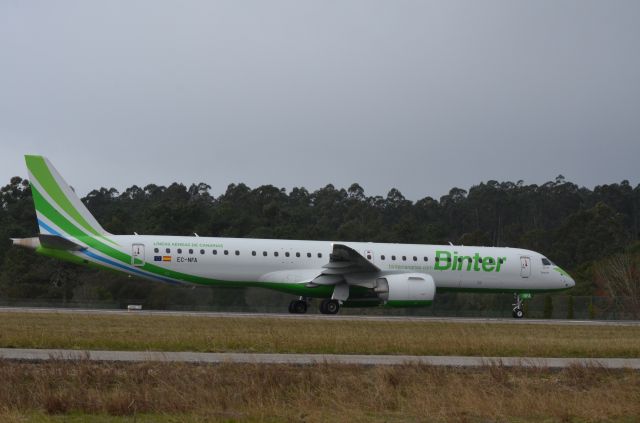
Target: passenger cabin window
415,258
319,255
264,253
190,250
426,258
309,255
382,257
253,253
155,250
546,261
215,252
286,254
297,254
368,256
168,250
404,258
201,251
226,252
237,252
393,257
275,253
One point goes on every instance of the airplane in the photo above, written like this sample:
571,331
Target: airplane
338,273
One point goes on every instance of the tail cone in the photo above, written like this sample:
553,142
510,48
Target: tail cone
31,243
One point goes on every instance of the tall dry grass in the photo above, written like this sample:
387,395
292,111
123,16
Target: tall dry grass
218,334
318,393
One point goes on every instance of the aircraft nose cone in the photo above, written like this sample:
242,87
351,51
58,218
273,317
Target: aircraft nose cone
568,281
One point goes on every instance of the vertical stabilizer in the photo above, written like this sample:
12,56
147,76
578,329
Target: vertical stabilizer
58,207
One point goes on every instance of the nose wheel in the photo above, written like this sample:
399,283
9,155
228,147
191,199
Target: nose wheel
517,307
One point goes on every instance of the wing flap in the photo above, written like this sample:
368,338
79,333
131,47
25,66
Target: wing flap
343,260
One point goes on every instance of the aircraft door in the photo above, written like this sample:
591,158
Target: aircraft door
368,255
525,267
137,255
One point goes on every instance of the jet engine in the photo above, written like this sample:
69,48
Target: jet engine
406,289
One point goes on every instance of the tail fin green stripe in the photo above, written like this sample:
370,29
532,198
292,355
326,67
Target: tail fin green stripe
68,227
50,212
41,172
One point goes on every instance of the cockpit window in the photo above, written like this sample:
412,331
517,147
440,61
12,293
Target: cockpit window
546,261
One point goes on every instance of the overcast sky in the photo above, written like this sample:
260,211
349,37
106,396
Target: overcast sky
417,95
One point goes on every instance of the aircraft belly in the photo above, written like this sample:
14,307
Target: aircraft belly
481,280
446,279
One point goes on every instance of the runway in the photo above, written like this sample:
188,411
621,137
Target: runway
343,317
309,359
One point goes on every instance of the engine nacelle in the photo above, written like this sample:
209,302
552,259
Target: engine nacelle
406,290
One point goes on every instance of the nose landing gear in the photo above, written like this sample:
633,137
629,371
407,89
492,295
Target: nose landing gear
517,307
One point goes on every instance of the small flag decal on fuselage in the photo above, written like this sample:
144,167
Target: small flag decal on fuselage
161,258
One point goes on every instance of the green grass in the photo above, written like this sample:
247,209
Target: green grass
277,335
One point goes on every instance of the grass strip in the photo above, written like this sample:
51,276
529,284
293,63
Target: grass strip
273,335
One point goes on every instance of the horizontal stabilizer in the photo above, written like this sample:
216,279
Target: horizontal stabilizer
59,243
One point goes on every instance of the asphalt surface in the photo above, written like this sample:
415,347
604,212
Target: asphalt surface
346,317
307,359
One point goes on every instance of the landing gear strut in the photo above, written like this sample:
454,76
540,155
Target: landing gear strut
517,307
298,306
329,306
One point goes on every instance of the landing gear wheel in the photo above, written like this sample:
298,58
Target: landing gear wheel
298,307
329,306
517,312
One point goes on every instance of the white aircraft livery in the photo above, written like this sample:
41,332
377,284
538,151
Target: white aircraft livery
338,273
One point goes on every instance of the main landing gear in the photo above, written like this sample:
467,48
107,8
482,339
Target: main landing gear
328,306
298,306
517,307
301,305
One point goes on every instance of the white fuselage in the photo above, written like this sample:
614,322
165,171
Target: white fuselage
289,261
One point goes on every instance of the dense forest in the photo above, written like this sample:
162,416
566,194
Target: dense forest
574,226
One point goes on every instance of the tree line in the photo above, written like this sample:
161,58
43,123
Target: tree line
576,227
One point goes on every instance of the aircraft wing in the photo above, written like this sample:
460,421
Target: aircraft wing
343,260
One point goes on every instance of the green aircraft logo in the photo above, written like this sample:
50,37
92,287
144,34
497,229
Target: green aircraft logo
445,261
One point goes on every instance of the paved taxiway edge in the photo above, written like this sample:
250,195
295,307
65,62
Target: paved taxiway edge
343,317
23,354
